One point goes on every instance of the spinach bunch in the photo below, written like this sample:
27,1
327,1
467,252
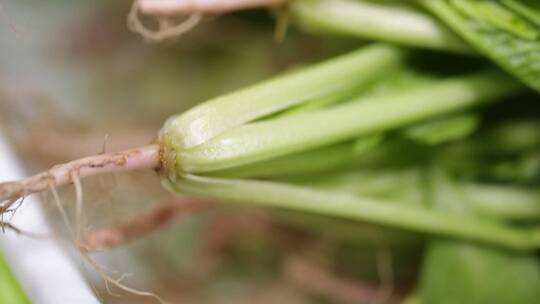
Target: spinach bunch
422,143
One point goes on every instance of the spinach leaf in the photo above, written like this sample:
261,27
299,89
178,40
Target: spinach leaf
456,272
460,272
530,9
507,31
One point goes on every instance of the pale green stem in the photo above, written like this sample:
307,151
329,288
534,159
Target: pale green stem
213,117
327,158
281,136
502,202
357,208
386,22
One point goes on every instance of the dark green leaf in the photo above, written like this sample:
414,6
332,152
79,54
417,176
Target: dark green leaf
508,34
469,274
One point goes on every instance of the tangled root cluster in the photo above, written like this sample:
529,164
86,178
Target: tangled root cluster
168,28
175,18
12,195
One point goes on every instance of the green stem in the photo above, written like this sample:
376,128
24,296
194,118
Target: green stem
284,135
391,23
326,158
217,115
357,208
502,202
331,158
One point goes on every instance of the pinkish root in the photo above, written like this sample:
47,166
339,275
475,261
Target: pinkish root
136,159
144,223
183,7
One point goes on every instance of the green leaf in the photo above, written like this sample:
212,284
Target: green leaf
463,273
530,9
458,272
509,35
495,15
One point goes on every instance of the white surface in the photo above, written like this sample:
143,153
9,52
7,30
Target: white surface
45,272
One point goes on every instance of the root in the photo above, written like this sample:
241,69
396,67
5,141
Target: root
135,159
166,11
317,280
75,234
6,207
62,210
118,282
33,235
166,29
227,229
143,224
78,205
104,146
183,7
282,22
386,275
84,254
223,233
